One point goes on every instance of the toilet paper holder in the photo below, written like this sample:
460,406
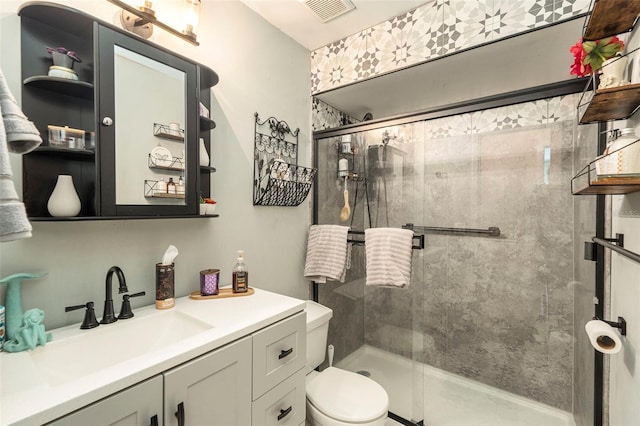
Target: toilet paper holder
621,324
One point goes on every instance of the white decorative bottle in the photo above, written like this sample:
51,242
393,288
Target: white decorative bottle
64,200
204,156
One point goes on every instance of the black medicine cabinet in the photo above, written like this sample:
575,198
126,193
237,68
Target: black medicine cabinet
126,121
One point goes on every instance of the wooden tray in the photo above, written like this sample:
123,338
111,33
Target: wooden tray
223,293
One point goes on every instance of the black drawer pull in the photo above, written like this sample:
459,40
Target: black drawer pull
154,420
284,354
180,414
284,413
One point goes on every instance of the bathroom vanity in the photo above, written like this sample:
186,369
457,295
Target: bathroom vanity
234,361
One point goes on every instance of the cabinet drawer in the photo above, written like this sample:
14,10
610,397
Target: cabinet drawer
278,351
283,405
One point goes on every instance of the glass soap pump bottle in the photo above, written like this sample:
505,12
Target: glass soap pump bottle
240,275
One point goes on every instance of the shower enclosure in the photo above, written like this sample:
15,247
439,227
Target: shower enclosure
484,333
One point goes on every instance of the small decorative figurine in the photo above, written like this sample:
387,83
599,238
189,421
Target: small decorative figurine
30,334
13,300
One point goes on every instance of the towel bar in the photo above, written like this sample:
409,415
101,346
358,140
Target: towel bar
492,231
418,240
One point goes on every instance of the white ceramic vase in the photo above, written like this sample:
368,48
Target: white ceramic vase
64,200
613,71
204,156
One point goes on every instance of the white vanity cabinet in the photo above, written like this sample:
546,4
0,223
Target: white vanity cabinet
213,389
256,380
139,405
279,355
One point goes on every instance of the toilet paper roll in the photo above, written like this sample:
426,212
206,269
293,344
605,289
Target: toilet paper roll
603,337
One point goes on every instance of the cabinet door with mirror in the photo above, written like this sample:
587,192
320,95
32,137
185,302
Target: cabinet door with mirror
149,129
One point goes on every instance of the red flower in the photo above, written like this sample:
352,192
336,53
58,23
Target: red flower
579,68
588,56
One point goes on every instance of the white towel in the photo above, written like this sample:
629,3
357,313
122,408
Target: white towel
22,137
328,254
388,252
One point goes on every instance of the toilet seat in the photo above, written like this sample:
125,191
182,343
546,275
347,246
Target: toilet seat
347,397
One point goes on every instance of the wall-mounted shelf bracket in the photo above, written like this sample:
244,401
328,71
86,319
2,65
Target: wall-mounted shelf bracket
621,324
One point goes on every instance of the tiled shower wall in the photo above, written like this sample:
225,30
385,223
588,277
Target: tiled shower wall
324,116
497,310
435,29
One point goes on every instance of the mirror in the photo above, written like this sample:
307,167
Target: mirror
150,148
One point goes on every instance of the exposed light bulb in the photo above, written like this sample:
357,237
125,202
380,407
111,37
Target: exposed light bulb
191,17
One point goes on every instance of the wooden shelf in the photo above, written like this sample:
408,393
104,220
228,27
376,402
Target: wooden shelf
162,195
63,86
611,17
609,186
613,103
588,183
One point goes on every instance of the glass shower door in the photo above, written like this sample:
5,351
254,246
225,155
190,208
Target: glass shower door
374,328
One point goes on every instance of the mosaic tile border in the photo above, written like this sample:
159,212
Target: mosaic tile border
535,113
434,29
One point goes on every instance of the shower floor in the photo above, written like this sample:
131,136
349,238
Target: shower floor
450,400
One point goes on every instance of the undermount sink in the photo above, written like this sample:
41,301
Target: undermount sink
89,351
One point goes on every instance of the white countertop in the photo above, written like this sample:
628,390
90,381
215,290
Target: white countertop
29,395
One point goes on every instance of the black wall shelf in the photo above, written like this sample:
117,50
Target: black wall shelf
64,86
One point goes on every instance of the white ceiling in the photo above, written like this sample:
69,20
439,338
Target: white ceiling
296,20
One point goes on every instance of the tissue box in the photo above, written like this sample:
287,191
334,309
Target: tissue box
66,137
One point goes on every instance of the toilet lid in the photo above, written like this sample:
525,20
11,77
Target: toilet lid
347,396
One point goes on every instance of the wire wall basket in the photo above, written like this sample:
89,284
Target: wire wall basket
284,184
167,132
175,164
152,190
277,179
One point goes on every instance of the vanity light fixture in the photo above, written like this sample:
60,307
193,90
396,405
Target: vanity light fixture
141,18
191,18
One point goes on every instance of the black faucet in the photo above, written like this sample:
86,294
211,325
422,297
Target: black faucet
108,316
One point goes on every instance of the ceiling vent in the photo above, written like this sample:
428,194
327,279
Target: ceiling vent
329,9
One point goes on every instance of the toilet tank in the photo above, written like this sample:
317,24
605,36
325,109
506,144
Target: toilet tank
318,317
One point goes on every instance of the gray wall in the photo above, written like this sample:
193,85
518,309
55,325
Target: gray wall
261,70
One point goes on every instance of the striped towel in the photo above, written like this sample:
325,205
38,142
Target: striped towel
388,252
18,135
328,253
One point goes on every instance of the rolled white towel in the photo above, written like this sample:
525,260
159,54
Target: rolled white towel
388,252
327,253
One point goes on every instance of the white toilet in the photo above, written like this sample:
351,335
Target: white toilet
337,397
